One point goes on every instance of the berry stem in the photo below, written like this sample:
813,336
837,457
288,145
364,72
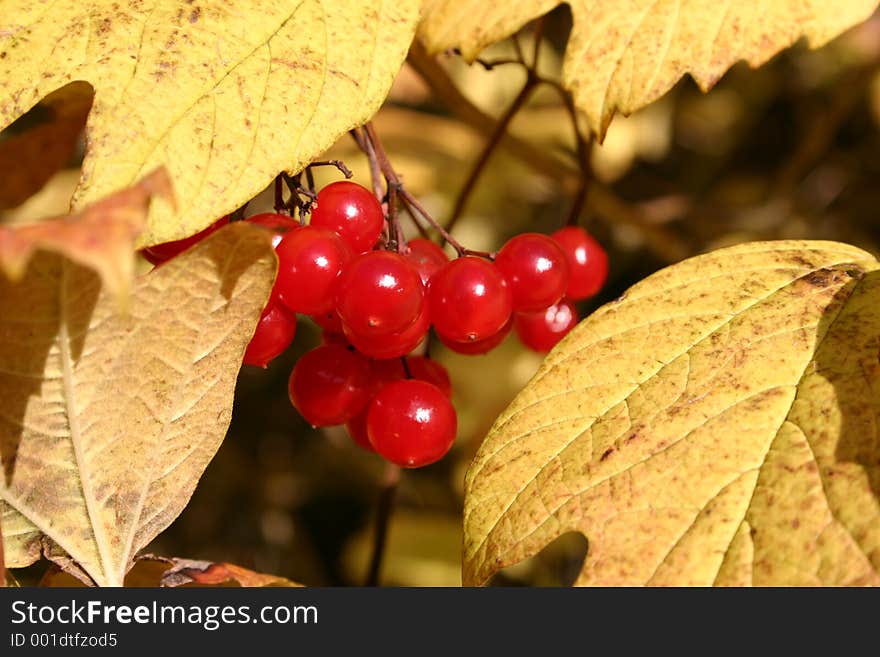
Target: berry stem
374,149
279,195
238,213
491,144
375,173
383,515
339,164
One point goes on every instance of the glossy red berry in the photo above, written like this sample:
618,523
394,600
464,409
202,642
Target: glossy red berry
420,367
159,253
477,347
379,293
542,330
352,212
279,224
469,300
357,430
427,257
393,344
411,423
330,385
328,321
587,262
536,270
274,333
310,260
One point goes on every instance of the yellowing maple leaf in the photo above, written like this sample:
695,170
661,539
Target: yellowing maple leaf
624,54
109,419
224,95
718,424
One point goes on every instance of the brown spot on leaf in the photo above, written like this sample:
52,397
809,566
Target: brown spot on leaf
608,452
194,15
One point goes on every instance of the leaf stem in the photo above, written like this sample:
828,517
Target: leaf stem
383,515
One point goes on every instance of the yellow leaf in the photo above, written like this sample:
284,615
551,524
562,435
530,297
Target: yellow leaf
624,54
224,95
715,425
109,419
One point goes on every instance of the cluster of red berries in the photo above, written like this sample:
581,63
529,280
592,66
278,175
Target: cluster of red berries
375,307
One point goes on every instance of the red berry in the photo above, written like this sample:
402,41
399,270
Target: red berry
328,337
274,333
352,212
411,423
393,344
379,293
420,367
541,331
309,262
469,300
483,346
329,385
159,253
279,224
425,369
427,257
357,430
328,321
587,262
536,270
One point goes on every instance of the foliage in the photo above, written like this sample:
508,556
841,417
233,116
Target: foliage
714,425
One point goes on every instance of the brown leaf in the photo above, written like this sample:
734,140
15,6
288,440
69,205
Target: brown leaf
101,237
41,142
109,419
206,573
152,571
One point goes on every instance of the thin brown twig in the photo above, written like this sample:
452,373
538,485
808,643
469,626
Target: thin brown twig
367,149
517,47
538,35
383,515
603,201
279,194
339,164
489,147
396,241
583,147
411,203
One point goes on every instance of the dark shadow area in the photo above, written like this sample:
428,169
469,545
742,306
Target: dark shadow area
558,564
44,140
849,359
